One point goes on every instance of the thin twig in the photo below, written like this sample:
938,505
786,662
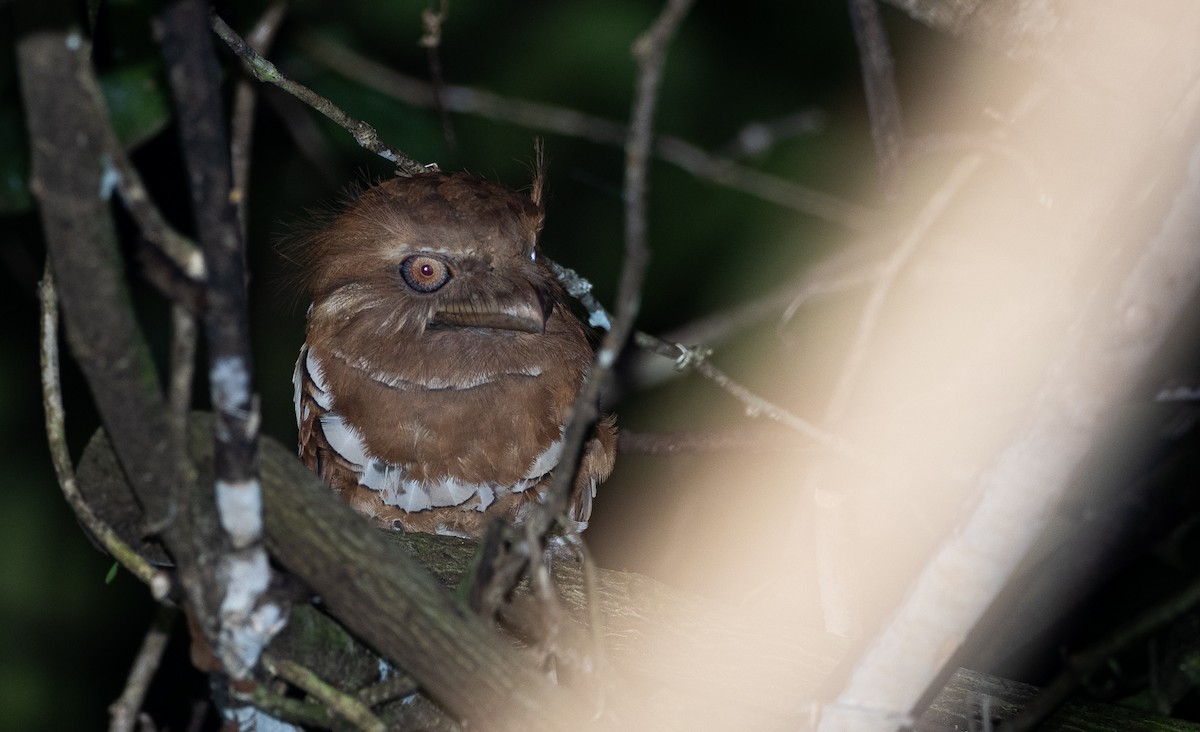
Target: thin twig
183,368
179,402
181,252
879,83
1080,664
396,686
965,142
245,100
179,249
345,705
650,51
262,702
124,711
757,137
572,123
157,580
929,214
431,41
697,359
739,441
363,133
646,370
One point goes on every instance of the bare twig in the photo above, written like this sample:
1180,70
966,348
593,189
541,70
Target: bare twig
929,214
180,250
740,441
1080,664
572,123
183,368
757,137
245,100
345,705
694,358
835,556
431,41
179,401
646,370
363,133
879,82
261,704
56,436
650,51
396,686
974,143
124,711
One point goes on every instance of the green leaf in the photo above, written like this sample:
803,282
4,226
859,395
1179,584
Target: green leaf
112,573
137,101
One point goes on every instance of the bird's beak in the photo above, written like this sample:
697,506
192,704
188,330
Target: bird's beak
525,311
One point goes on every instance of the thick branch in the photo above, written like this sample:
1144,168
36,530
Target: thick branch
67,119
247,618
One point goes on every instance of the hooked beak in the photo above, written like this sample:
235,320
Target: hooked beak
525,312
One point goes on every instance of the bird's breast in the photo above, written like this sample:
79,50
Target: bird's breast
431,442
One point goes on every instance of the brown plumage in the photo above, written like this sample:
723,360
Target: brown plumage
441,359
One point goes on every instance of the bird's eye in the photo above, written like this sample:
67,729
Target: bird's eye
424,273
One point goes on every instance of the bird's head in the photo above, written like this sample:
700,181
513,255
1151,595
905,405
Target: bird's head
433,253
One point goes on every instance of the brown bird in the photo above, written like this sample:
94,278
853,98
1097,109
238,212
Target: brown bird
441,359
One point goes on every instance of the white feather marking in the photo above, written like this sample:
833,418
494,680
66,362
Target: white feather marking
390,481
486,497
296,379
432,382
345,440
443,530
545,462
316,372
407,495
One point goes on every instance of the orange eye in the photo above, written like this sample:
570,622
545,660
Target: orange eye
424,273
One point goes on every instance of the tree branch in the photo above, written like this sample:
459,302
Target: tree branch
363,133
650,52
879,83
572,123
56,437
697,656
248,618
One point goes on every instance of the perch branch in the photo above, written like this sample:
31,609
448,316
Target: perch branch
703,653
363,133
